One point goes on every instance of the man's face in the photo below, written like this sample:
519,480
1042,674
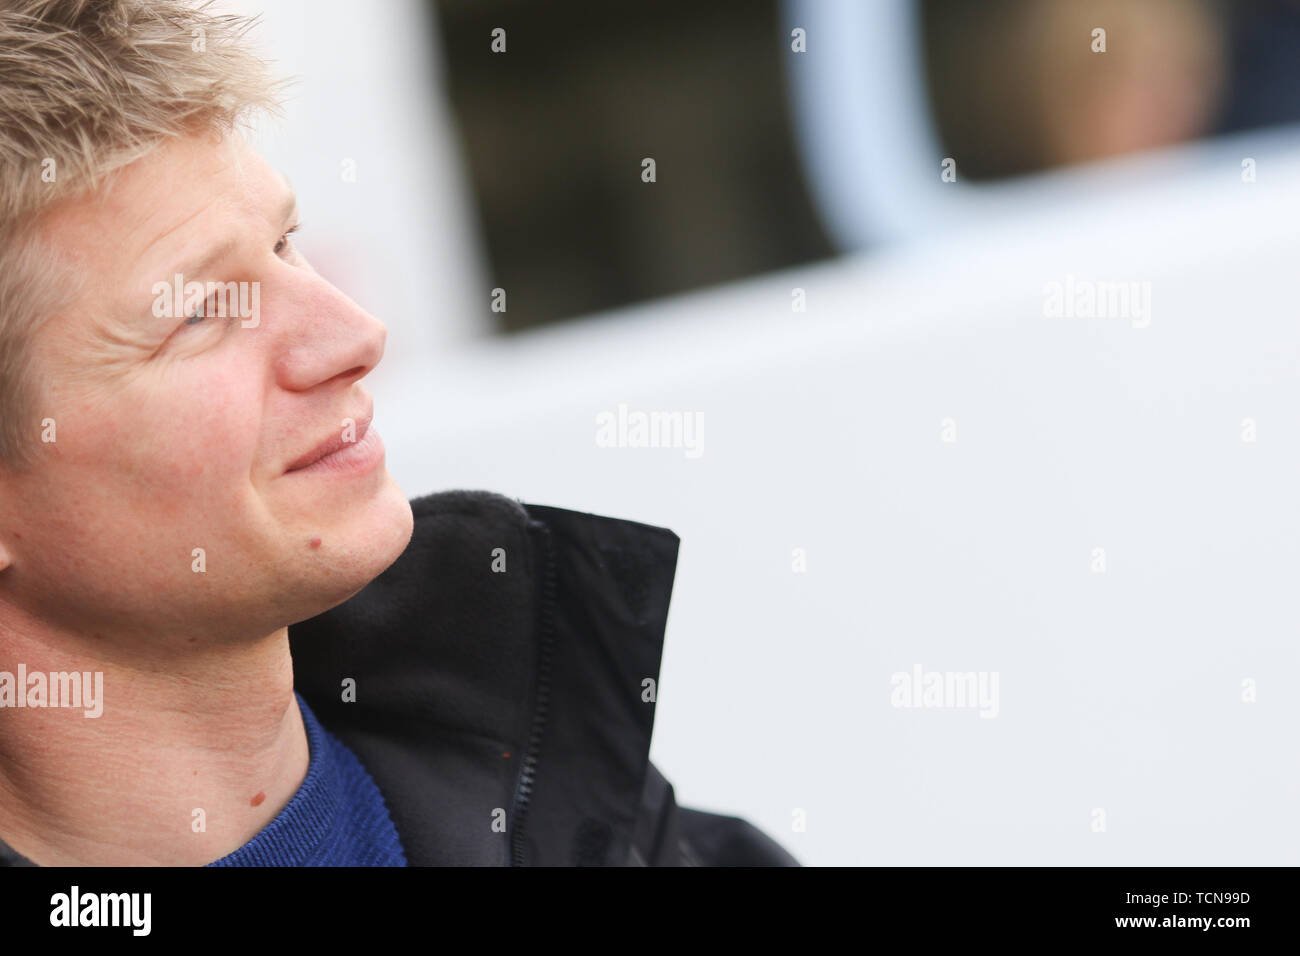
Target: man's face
175,435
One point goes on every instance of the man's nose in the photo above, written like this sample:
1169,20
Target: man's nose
321,335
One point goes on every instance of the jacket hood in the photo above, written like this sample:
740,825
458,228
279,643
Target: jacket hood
500,669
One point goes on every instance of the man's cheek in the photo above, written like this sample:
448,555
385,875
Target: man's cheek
213,440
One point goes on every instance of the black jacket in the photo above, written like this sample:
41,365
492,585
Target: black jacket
519,695
502,702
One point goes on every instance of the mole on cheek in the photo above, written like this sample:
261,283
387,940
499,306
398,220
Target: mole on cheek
315,542
257,799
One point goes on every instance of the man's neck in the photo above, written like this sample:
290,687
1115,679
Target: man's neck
190,758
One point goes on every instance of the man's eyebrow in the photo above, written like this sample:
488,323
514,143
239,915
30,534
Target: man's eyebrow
214,254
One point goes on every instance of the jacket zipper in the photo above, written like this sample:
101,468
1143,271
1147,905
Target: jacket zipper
528,770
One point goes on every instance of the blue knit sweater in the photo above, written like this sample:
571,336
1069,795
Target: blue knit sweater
337,817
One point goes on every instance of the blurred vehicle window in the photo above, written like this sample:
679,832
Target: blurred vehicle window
556,128
768,157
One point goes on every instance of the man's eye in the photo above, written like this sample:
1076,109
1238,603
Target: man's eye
207,308
204,310
214,306
284,239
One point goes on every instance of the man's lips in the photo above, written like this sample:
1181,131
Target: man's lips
333,443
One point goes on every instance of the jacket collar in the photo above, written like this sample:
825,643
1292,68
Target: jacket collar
505,668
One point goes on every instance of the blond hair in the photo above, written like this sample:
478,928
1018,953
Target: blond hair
87,87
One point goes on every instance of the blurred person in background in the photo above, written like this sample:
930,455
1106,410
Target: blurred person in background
1023,85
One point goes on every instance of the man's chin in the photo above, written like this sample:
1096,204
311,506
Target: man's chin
343,556
398,523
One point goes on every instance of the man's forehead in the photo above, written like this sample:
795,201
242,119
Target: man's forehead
157,196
